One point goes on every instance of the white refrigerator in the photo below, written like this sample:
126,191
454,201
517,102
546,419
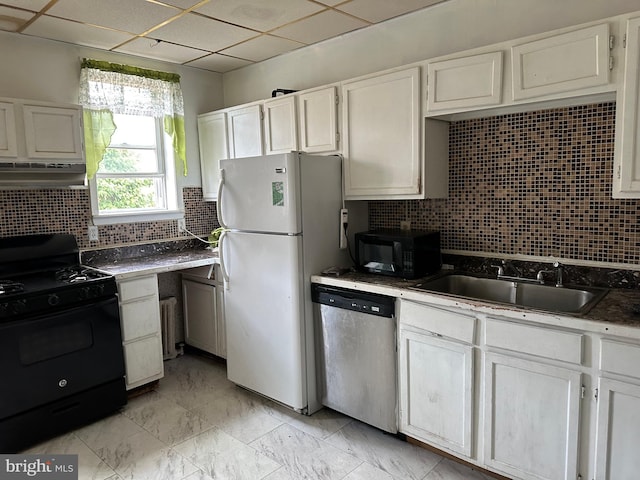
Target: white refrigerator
282,213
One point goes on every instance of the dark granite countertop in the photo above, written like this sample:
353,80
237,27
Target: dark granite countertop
620,307
156,262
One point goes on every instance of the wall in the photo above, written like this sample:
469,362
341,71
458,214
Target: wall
45,70
535,183
449,27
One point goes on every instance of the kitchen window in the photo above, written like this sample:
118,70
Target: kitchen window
134,142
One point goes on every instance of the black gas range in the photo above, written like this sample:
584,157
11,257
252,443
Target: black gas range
60,340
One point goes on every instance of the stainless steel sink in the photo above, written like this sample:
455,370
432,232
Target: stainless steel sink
568,299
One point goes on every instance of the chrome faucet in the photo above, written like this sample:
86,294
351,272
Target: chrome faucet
558,271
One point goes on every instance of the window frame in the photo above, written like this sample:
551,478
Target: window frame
167,171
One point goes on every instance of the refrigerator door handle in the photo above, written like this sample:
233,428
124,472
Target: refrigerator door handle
225,275
219,201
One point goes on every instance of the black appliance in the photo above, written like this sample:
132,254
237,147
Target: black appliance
61,351
399,253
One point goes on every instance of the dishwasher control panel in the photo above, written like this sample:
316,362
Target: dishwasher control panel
353,300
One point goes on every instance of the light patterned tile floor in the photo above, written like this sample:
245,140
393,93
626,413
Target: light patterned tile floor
199,426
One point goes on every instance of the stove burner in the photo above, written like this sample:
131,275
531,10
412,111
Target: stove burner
75,274
9,286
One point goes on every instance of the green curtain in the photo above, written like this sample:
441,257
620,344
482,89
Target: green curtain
174,127
98,130
107,88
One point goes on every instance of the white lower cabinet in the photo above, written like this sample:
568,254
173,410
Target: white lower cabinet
141,330
204,320
532,415
436,376
618,423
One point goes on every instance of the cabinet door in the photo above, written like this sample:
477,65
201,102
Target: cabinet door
464,83
212,136
245,131
280,127
8,143
143,361
561,63
199,302
532,413
626,181
382,136
318,120
618,430
436,391
53,132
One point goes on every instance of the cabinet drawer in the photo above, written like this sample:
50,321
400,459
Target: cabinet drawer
139,318
447,323
138,287
143,361
533,340
621,358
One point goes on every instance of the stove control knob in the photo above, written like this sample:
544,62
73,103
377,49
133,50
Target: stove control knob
53,299
18,307
85,293
62,383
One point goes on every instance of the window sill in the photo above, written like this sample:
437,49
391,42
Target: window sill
137,217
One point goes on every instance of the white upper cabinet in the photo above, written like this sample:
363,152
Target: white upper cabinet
561,63
626,178
464,83
381,143
212,137
318,120
40,131
8,146
245,131
52,132
280,125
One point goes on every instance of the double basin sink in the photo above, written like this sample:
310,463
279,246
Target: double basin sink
567,299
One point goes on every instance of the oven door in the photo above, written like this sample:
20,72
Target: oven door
49,357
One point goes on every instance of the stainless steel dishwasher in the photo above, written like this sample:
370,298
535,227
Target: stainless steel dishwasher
356,345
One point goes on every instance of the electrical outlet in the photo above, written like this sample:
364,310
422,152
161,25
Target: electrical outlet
92,231
344,220
181,225
405,225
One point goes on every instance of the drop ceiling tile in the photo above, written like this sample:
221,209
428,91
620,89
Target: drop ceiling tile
203,33
331,3
218,63
76,33
380,10
184,4
135,16
11,19
261,48
150,48
262,15
33,5
320,27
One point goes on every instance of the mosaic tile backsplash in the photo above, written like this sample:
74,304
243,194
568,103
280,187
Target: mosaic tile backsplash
26,212
535,183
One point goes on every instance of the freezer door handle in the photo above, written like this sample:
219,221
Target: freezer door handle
219,202
223,269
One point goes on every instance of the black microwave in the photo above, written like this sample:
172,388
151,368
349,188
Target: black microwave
399,253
